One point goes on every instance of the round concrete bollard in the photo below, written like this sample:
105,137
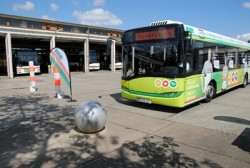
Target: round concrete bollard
90,117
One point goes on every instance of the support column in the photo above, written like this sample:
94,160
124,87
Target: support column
52,42
86,56
9,56
113,56
52,45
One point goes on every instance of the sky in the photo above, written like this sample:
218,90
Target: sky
227,17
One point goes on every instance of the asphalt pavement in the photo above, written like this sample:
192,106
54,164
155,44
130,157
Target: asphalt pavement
38,129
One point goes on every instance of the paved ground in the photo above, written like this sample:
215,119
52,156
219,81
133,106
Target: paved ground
38,130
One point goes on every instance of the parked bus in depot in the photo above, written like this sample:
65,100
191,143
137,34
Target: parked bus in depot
21,61
118,61
174,64
94,63
117,56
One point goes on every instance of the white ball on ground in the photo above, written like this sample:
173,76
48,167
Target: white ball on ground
90,117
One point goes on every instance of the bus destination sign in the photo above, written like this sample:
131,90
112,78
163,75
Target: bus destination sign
155,35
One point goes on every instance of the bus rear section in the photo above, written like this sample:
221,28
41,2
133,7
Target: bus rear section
21,61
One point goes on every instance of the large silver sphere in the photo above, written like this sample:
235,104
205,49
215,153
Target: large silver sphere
90,116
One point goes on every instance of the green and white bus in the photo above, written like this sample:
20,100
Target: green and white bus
174,64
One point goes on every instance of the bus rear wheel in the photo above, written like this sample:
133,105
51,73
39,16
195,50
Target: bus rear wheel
210,92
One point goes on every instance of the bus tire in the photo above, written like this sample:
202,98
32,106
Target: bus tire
245,81
210,93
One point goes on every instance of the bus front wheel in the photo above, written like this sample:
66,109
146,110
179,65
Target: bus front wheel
210,92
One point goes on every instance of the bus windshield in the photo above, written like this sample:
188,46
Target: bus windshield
94,57
150,59
153,51
23,58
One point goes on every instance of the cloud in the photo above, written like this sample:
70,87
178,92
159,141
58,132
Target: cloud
54,7
27,6
46,17
246,4
98,17
98,2
244,37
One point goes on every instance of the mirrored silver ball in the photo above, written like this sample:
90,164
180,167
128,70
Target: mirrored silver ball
90,116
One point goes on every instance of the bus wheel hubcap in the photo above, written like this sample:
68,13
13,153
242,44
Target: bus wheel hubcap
210,91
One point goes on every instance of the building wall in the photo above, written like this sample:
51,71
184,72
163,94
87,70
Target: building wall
38,34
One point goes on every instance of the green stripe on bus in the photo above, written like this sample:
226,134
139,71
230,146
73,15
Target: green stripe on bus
161,95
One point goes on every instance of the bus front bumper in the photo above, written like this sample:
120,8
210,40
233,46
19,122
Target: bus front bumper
166,101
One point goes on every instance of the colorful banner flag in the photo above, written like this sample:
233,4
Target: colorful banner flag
60,61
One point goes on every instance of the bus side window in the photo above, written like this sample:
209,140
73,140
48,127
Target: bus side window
231,60
248,59
198,56
242,59
196,60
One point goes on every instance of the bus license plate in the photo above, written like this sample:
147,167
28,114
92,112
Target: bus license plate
144,100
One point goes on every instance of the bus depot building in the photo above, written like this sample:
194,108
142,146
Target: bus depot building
24,39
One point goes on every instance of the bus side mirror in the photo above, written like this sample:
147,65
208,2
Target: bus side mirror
188,34
191,42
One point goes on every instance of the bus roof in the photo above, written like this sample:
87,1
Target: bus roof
204,35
